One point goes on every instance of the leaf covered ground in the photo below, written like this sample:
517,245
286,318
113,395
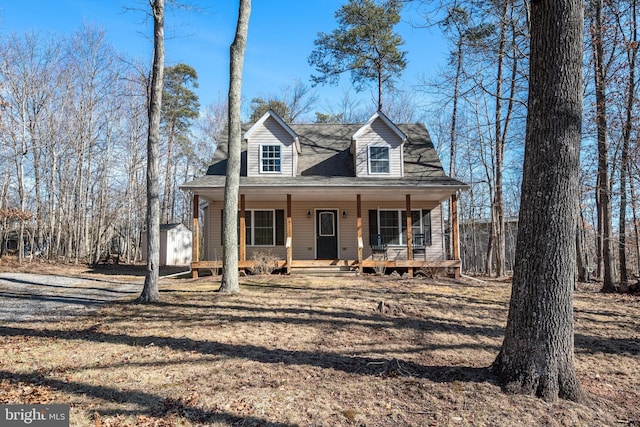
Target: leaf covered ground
313,351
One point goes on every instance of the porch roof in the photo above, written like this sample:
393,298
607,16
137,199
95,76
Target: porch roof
305,182
330,188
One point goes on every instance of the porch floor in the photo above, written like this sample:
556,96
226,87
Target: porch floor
340,265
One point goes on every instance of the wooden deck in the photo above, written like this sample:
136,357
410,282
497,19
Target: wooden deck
410,265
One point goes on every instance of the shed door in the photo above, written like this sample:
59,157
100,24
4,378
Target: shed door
327,234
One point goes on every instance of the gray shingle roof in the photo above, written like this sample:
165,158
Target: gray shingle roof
170,226
325,159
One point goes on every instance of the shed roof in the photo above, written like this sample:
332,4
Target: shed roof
167,227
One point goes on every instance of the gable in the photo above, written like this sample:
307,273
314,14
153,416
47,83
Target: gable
377,149
271,148
380,117
270,115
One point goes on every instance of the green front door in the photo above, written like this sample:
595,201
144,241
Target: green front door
327,234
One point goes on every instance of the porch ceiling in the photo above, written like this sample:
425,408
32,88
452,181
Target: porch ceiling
387,193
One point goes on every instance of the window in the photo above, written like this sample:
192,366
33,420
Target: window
326,224
378,159
416,224
262,227
393,225
390,227
259,228
270,158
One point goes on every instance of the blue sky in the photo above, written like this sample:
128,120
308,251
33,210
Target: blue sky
281,35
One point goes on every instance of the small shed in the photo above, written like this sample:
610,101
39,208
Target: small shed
175,245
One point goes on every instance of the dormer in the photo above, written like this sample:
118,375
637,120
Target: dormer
272,147
377,148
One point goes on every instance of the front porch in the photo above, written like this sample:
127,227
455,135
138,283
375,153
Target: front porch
350,265
403,257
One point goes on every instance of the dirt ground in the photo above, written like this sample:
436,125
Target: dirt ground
309,351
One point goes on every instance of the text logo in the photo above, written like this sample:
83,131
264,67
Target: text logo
34,415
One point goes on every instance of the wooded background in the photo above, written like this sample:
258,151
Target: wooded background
73,124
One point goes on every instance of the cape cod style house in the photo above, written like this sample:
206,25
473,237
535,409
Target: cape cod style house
348,196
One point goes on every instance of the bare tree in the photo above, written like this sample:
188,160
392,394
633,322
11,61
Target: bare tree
485,85
230,282
347,110
631,48
210,127
93,104
603,191
300,99
636,222
150,292
180,106
537,355
73,142
30,72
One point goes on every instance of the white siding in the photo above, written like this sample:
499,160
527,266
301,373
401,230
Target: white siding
304,229
378,134
304,243
175,246
435,252
271,133
214,233
178,246
205,230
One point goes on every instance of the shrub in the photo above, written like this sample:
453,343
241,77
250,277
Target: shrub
264,262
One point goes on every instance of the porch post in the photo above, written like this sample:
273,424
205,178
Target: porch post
409,233
359,230
243,230
195,236
289,235
454,233
409,230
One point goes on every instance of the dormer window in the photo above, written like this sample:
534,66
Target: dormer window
270,158
379,159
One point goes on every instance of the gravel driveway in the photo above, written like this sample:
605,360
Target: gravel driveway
28,297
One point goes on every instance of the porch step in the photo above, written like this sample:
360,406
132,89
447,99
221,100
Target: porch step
328,271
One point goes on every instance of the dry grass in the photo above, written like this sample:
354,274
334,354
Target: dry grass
314,351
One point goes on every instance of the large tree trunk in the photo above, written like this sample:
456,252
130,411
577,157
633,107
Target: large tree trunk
229,283
537,352
150,291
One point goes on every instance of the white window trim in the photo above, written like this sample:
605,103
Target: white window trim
388,147
399,231
253,223
262,158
